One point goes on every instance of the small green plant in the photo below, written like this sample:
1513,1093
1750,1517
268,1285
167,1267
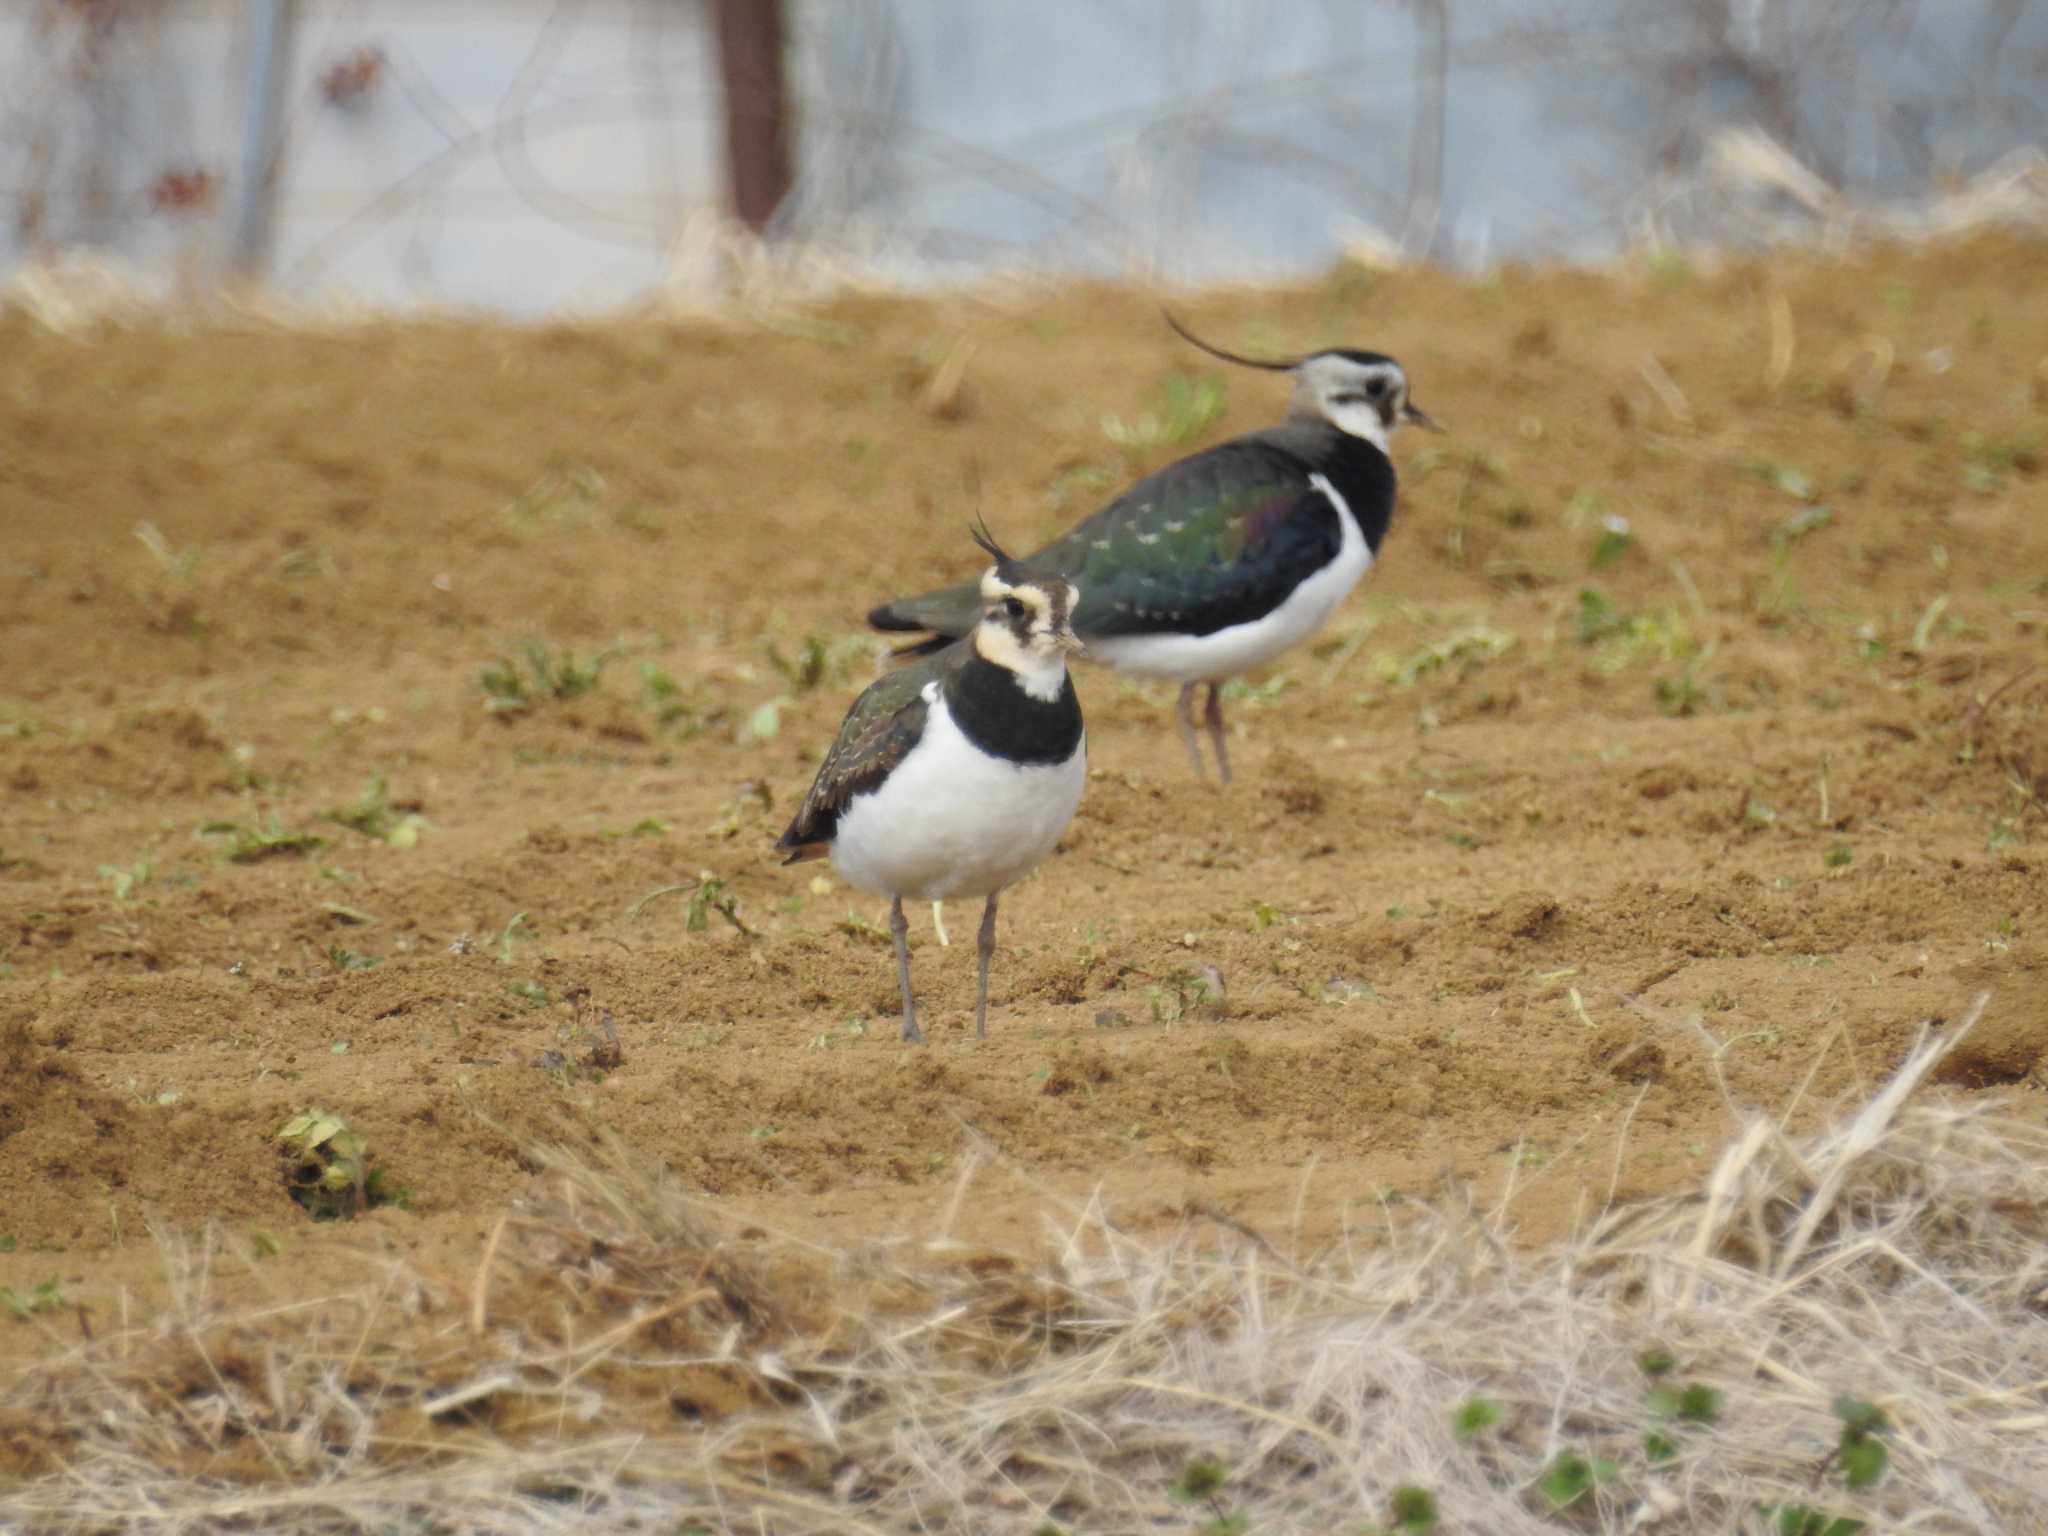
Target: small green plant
765,723
1342,990
1571,1477
127,880
711,896
1862,1458
1619,639
1806,520
662,696
374,816
179,564
326,1168
43,1298
507,943
820,661
754,797
1185,992
1202,1481
1468,648
1989,462
548,675
531,993
1474,1417
1681,696
1782,477
1411,1511
565,495
344,959
708,894
1189,407
852,1028
1614,540
249,844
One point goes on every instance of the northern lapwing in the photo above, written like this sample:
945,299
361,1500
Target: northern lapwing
1226,559
956,775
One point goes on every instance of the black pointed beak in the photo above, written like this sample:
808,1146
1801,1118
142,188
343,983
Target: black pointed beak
1415,416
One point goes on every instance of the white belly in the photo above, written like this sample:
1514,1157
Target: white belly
951,822
1242,647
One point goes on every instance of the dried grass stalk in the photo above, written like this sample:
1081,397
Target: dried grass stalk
638,1363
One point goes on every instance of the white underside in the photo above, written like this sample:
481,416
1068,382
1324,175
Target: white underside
1242,647
953,822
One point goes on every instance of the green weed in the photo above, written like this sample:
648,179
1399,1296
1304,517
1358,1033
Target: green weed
1989,462
1185,992
1782,477
127,880
1468,648
1614,540
1861,1457
374,816
25,1304
662,696
1189,406
565,496
1202,1481
249,844
820,661
1620,639
708,894
327,1168
1571,1477
548,674
1474,1417
178,564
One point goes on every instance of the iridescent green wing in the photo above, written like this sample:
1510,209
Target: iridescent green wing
885,722
1215,540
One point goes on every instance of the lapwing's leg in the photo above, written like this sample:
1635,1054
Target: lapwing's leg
988,953
1184,712
899,928
1214,715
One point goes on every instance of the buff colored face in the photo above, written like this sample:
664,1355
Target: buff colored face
1035,618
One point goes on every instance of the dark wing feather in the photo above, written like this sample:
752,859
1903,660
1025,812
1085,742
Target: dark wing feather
1215,540
884,723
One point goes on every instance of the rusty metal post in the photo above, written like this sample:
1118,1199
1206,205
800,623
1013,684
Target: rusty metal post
756,107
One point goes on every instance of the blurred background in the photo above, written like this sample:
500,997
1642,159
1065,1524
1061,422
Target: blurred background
521,155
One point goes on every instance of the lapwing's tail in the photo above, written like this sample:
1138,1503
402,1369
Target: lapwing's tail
945,615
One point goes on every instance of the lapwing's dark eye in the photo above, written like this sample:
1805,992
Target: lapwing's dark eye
1014,607
1376,388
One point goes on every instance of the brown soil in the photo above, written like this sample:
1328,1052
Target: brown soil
1488,903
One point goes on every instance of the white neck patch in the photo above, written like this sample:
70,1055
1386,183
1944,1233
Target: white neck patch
1041,676
1358,421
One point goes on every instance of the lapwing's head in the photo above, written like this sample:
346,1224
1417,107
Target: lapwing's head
1027,622
1362,393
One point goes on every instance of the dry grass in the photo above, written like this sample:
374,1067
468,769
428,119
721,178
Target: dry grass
616,1360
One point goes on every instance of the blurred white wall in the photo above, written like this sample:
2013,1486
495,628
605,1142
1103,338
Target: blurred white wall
526,154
